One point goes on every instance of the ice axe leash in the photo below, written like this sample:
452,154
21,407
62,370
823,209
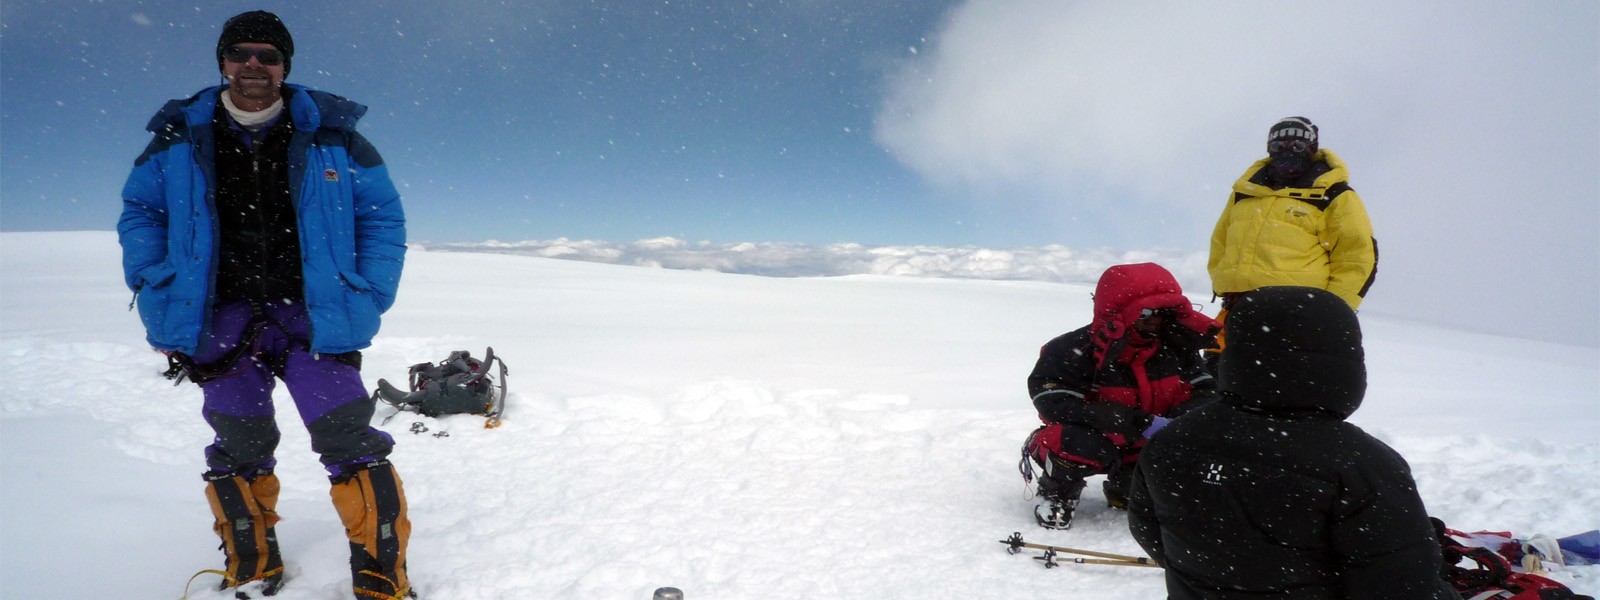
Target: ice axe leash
1015,544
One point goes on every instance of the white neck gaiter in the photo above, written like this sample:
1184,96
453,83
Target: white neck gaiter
250,120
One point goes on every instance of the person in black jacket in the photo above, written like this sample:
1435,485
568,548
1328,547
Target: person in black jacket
1268,492
1103,388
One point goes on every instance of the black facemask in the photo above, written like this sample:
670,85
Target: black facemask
1288,167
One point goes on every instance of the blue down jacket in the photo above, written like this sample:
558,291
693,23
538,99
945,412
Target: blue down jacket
351,225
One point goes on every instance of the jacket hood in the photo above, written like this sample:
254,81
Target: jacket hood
1125,291
311,110
1293,351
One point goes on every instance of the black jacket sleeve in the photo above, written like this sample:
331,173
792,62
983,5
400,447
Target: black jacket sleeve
1142,521
1185,347
1381,534
1062,387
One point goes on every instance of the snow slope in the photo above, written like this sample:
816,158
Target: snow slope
731,435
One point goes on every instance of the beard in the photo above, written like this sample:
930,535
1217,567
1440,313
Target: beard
254,85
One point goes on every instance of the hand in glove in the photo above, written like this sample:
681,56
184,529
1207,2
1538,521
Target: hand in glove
1156,423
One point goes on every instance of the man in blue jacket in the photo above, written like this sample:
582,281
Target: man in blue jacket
262,239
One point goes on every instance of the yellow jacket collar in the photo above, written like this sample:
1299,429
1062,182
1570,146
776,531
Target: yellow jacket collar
1335,174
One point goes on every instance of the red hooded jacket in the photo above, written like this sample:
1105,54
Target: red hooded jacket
1110,377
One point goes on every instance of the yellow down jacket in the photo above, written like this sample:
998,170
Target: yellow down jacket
1317,236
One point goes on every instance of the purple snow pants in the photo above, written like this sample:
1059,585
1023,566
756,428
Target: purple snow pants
327,390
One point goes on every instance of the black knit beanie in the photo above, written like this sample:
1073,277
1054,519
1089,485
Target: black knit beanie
257,26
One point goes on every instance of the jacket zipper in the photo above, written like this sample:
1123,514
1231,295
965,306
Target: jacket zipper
264,251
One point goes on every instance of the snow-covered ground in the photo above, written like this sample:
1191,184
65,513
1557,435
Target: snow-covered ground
734,436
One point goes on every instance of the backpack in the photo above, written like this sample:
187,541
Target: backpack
459,384
1491,576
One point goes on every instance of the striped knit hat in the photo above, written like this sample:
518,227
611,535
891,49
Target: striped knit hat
1292,128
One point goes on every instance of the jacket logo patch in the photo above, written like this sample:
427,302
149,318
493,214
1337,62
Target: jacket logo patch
1295,211
1214,474
330,175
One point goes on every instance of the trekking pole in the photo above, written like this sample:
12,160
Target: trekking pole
1015,544
1050,562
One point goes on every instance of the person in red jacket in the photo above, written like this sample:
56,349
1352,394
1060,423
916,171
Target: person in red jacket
1103,389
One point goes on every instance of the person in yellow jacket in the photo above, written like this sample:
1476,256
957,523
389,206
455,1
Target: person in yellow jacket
1293,219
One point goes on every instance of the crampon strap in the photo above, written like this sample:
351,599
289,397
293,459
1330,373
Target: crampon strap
399,594
227,580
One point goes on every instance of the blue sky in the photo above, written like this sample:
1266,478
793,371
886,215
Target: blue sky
1470,128
610,120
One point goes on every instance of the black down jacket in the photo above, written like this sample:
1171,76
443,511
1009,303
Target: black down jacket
1269,493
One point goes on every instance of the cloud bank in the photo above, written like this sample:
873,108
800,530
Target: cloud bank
1049,263
1470,131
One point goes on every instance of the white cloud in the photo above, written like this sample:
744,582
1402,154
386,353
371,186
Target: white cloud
1049,263
1470,130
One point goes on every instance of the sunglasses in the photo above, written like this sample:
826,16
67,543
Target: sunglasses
1277,146
268,57
1151,312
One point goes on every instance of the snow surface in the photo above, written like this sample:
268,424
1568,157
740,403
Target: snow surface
734,436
